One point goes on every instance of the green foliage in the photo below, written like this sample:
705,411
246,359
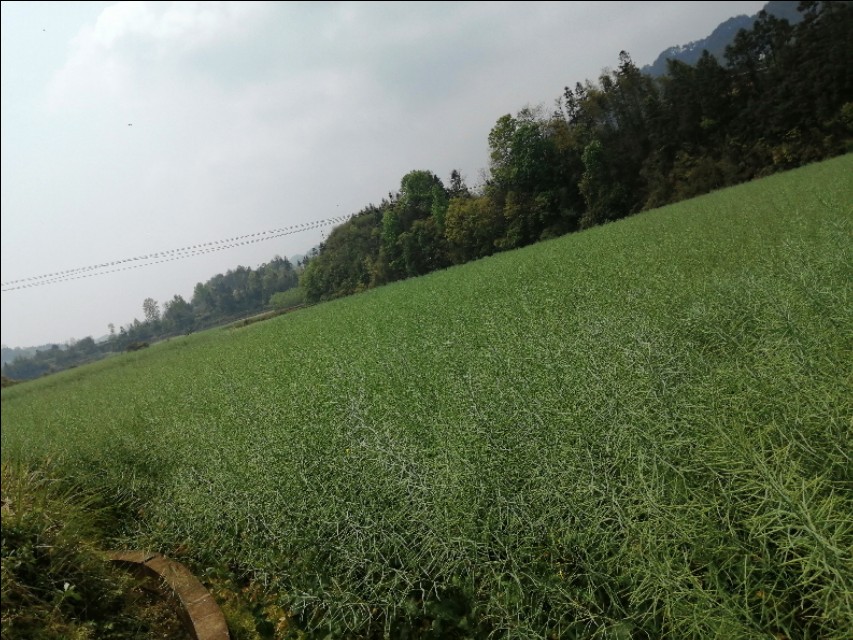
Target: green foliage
528,183
220,300
413,229
55,358
8,382
520,153
422,193
55,581
240,291
151,309
348,260
178,316
422,247
288,299
605,197
473,228
641,430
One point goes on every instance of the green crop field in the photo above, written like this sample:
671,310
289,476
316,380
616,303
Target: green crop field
639,431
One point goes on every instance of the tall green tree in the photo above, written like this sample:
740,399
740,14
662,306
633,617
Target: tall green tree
151,309
473,228
523,176
178,315
348,260
410,249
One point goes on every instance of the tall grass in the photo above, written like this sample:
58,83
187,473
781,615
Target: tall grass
642,430
56,582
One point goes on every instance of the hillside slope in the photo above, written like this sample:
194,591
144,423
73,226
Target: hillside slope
640,430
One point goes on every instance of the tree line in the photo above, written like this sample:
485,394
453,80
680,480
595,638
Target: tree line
782,98
223,298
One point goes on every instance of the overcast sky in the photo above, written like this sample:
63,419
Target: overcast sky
137,127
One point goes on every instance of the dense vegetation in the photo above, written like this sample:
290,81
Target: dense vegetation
56,584
610,149
642,430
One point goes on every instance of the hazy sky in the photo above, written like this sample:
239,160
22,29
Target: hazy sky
248,117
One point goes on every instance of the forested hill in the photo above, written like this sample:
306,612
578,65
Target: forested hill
629,142
721,37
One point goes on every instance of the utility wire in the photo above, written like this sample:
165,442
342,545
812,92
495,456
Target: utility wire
164,256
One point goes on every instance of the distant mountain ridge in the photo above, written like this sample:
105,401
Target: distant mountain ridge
721,37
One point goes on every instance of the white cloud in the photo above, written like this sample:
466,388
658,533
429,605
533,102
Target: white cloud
133,45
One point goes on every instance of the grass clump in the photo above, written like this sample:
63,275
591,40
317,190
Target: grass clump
56,582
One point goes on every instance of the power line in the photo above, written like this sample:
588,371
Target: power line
274,233
164,256
79,274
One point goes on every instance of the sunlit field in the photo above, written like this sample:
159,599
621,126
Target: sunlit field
641,430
